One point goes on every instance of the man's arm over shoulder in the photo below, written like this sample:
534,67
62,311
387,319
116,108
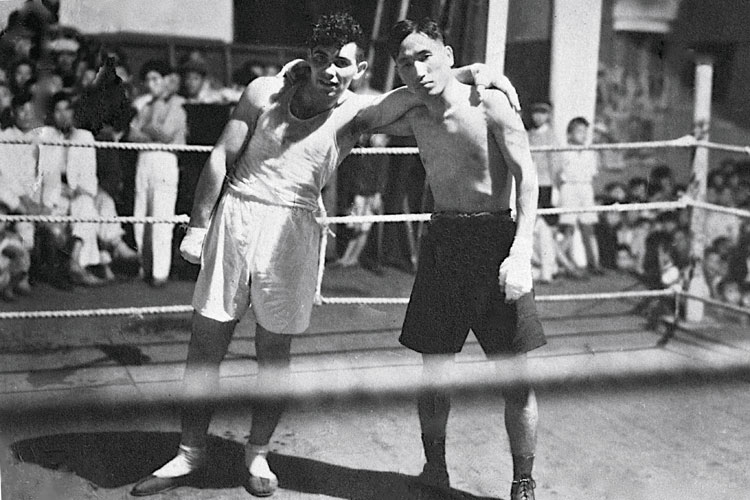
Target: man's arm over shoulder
376,112
511,137
230,145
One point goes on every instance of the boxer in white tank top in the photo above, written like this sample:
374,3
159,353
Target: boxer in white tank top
276,153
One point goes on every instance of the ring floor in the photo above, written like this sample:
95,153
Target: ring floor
689,440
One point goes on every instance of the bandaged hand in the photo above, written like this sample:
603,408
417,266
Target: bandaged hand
515,271
485,76
192,244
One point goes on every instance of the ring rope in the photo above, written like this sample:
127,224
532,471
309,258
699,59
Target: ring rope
82,313
178,309
539,298
720,208
390,379
343,219
714,302
687,141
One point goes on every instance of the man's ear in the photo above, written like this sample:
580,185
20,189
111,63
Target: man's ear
361,68
449,54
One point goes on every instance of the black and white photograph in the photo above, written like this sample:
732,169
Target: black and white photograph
375,249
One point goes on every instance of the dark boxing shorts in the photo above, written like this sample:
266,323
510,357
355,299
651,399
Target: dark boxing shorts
456,289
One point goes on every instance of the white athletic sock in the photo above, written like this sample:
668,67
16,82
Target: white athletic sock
188,459
256,462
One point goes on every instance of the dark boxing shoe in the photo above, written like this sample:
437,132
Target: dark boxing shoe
434,476
522,489
152,485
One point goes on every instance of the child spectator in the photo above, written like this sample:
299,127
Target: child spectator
575,180
14,261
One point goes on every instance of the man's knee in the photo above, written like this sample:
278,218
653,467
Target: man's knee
209,336
272,348
521,396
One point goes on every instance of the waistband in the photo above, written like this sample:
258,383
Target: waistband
471,216
239,193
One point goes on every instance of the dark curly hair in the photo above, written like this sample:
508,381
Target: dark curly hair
336,30
406,27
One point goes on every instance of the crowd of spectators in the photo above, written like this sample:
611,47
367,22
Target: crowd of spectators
56,84
651,244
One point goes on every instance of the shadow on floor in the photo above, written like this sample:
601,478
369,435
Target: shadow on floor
118,459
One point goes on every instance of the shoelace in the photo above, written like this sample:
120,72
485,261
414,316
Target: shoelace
525,487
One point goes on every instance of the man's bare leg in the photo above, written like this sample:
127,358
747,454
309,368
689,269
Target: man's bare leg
521,420
209,342
433,406
273,354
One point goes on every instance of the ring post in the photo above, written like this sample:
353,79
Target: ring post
697,190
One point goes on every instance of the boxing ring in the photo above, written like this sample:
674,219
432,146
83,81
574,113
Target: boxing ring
382,379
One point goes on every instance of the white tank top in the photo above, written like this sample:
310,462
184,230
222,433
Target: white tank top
289,160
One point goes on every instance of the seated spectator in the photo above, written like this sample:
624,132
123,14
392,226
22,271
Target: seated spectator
739,260
14,261
661,184
6,98
714,270
742,194
625,260
638,190
606,236
714,184
65,48
723,245
173,83
681,247
617,192
19,183
70,187
745,301
666,221
729,291
660,272
23,76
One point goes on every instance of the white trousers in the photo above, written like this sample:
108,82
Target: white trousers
156,180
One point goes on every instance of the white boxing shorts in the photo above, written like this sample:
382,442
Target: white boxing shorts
259,254
577,195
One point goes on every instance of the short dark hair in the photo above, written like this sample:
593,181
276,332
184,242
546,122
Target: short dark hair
157,65
59,97
20,99
427,26
336,30
578,120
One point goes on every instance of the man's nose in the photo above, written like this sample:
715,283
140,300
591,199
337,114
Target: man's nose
420,69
